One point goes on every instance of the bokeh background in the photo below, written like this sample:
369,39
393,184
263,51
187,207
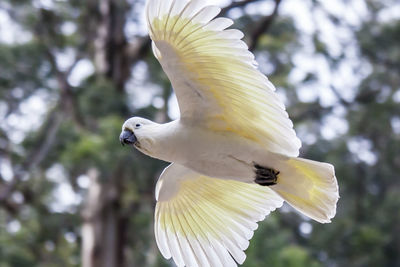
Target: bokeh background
72,71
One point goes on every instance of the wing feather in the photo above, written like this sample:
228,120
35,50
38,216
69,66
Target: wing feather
216,253
215,77
186,248
221,235
161,237
172,235
203,221
197,248
218,24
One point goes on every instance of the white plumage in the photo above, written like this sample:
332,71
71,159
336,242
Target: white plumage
233,136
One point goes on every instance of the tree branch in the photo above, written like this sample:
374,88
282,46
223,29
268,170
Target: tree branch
139,49
67,98
343,101
236,4
263,26
312,111
35,157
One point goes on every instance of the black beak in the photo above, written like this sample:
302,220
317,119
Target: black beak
127,137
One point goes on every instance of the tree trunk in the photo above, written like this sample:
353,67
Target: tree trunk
103,228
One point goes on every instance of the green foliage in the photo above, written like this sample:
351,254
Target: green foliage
20,70
34,231
295,256
110,101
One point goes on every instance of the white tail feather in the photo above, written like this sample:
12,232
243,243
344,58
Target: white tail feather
310,187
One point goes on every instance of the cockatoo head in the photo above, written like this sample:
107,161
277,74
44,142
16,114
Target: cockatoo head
135,131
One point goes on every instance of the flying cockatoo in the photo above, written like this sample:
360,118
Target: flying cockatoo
233,151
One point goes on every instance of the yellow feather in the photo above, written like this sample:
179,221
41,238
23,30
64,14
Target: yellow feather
222,70
309,186
209,196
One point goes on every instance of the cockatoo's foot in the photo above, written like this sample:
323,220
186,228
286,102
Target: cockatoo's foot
265,176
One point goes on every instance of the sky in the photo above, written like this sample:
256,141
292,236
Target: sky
337,38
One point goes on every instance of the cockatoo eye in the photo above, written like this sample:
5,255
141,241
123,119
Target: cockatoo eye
138,125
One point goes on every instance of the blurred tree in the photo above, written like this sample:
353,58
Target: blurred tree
72,71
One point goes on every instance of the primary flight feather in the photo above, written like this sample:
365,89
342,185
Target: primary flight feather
233,149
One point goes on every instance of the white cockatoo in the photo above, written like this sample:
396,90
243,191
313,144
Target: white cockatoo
233,150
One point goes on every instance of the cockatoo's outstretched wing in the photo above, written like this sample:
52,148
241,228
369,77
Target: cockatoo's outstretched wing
214,75
203,221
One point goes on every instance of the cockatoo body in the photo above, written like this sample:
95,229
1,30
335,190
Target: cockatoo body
233,149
